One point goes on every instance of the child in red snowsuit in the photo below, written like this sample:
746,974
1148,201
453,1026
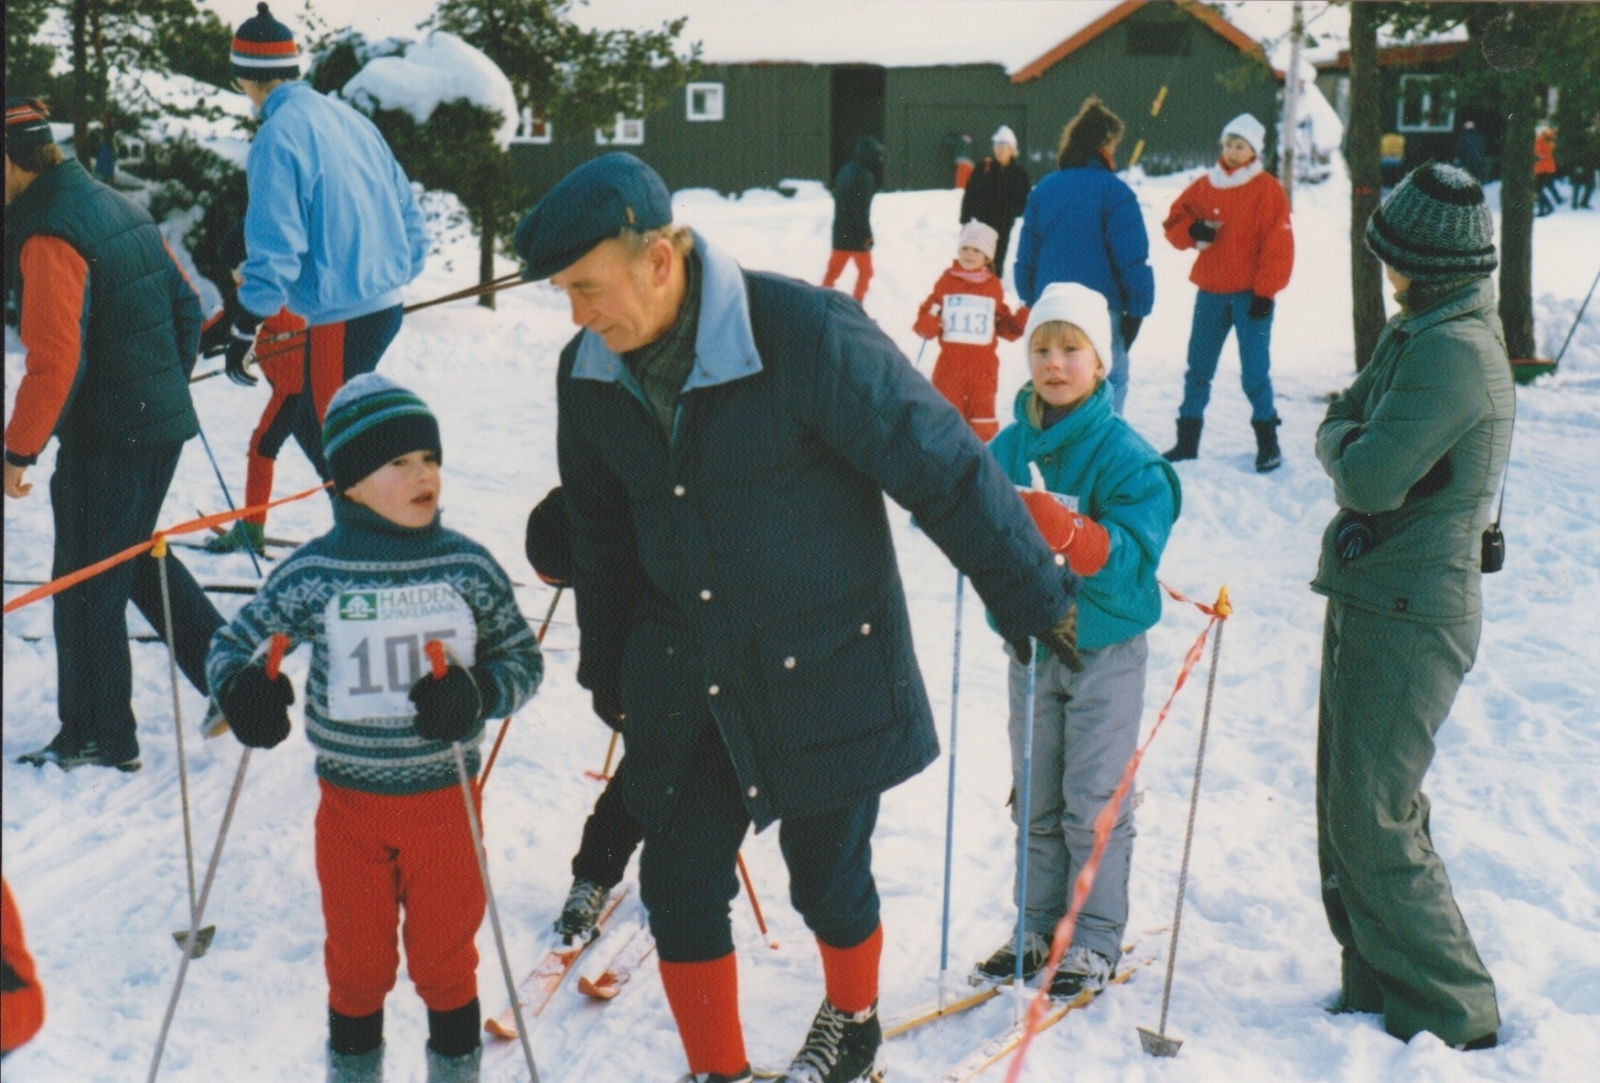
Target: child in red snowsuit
967,312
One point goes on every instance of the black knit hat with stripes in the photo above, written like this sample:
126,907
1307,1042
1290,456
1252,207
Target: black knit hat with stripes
264,49
27,124
1435,227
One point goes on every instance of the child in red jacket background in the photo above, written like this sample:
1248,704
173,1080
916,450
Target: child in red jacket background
967,312
1238,217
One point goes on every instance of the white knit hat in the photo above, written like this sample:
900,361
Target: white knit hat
1004,134
981,236
1248,128
1077,304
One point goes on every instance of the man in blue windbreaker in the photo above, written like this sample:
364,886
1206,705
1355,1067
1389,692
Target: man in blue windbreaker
333,230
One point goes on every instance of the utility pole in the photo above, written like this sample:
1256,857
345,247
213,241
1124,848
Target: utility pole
1291,102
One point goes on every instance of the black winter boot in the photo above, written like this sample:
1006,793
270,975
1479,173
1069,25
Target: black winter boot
1268,457
1188,445
840,1048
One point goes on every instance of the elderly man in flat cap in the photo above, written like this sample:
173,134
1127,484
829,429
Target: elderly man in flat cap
726,438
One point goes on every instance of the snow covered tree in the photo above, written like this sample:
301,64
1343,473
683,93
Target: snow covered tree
564,73
1366,177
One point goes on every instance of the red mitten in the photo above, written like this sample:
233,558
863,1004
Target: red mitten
1084,542
928,325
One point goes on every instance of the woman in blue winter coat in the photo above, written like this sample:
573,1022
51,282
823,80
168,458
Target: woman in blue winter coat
1107,506
1083,225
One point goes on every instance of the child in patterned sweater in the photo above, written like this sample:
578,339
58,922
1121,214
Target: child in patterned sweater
967,312
392,826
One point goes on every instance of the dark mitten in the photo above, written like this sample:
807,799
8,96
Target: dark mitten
241,339
1023,649
1062,640
548,542
215,335
1202,232
607,702
1260,307
448,707
1354,536
1130,329
257,706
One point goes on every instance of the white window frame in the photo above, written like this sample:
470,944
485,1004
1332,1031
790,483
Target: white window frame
527,133
1448,123
714,99
627,132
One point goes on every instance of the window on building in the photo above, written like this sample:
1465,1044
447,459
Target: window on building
627,132
704,101
532,128
1159,37
1427,104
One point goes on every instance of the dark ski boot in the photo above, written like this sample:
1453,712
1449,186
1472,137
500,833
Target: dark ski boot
69,758
840,1048
1188,445
356,1067
582,911
241,535
1002,965
462,1069
1082,970
1268,457
715,1077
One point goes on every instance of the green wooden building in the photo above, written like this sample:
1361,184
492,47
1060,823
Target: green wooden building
1176,71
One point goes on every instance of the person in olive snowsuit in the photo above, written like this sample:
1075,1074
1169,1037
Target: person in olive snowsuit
858,181
726,439
112,330
1416,448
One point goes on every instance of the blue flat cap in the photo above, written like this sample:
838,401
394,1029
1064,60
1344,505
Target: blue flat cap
593,203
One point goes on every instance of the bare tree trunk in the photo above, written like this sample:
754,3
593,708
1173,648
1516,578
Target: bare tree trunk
486,256
80,78
1291,104
1366,179
1516,215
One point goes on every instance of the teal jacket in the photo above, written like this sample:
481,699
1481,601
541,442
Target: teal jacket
1120,482
1419,443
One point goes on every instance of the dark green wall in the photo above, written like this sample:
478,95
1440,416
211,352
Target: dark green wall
930,108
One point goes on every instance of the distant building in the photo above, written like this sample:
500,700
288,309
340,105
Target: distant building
1175,70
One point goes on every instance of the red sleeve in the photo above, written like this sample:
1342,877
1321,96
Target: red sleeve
21,1010
1276,259
928,324
55,282
1182,216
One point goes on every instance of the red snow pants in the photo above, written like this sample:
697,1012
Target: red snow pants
968,379
378,854
836,262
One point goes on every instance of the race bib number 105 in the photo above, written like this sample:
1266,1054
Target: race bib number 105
967,319
375,640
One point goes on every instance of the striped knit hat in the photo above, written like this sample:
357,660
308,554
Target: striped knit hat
27,124
372,421
264,49
1435,227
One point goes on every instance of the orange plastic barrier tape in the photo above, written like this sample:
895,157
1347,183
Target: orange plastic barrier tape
56,586
1103,823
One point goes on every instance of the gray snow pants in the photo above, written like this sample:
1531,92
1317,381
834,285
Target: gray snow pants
1086,726
1387,686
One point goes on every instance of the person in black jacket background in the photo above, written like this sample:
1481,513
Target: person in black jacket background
858,181
997,193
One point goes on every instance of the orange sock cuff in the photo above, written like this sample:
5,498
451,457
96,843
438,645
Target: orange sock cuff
705,1002
851,974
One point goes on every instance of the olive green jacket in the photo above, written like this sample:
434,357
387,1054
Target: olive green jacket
1419,442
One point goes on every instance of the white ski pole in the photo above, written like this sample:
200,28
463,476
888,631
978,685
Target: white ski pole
950,801
436,658
279,644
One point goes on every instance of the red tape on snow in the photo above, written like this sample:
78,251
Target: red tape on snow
1103,823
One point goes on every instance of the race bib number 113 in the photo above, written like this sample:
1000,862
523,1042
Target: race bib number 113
375,640
967,319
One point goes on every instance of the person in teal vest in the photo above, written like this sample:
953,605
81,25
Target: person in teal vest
1416,448
112,327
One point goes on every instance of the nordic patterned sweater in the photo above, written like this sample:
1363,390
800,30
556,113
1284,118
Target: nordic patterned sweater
366,596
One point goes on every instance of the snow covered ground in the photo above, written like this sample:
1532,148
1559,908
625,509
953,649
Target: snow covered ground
96,859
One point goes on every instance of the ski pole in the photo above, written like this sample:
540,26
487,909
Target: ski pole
159,551
1578,318
605,771
275,651
225,494
755,904
1158,1044
950,800
1024,811
436,656
500,737
920,350
504,282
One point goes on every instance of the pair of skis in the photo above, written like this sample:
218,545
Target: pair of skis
536,991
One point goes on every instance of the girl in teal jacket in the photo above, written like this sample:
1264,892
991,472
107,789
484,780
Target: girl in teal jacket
1107,507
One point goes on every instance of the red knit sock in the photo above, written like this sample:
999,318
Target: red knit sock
851,974
705,1003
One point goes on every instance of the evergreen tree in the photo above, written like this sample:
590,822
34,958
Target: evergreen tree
28,60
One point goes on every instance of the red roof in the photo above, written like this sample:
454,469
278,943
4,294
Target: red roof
1390,56
1209,16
